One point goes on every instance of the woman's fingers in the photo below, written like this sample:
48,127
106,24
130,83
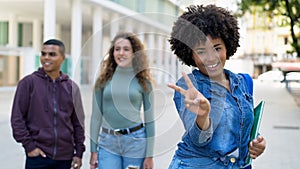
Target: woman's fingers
177,88
199,101
257,147
187,81
196,101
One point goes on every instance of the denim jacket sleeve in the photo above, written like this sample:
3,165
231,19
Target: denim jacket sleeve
200,137
195,134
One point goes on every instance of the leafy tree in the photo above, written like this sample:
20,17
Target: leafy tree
289,9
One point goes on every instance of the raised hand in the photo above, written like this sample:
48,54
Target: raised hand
195,102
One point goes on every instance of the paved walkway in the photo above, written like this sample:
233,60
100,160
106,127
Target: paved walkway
294,89
280,126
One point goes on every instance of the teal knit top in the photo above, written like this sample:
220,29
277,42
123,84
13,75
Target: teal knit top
122,99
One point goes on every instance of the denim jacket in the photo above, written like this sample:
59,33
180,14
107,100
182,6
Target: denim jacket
231,119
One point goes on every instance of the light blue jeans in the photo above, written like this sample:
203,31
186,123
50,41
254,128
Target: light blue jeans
203,163
122,151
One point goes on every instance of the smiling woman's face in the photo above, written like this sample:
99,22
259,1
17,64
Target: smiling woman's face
210,57
123,52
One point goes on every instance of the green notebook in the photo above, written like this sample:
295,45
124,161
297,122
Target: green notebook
258,111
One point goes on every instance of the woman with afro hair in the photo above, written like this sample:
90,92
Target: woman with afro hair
214,104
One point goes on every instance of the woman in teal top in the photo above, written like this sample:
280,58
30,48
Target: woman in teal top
123,87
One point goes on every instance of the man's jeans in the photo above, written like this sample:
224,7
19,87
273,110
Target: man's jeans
40,162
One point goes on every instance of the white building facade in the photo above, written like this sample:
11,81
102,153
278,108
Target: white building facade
87,28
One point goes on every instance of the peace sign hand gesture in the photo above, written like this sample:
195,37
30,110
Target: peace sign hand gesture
195,102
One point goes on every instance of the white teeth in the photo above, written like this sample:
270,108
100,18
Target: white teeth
47,63
212,66
122,59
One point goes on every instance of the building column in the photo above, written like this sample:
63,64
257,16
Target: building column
128,25
97,56
27,62
11,76
150,48
114,26
76,37
141,33
13,31
151,52
37,35
159,59
49,19
168,72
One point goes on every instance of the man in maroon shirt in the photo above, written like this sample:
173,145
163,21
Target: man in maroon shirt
47,114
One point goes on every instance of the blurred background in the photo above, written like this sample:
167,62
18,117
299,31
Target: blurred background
269,34
269,52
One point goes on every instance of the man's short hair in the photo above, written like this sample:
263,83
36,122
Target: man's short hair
56,42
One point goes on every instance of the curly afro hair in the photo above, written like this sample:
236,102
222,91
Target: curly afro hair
194,25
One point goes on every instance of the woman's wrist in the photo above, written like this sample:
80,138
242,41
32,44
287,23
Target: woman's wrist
203,122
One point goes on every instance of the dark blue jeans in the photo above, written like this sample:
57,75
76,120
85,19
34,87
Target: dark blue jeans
40,162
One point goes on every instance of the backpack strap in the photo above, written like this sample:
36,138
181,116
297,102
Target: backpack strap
249,81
